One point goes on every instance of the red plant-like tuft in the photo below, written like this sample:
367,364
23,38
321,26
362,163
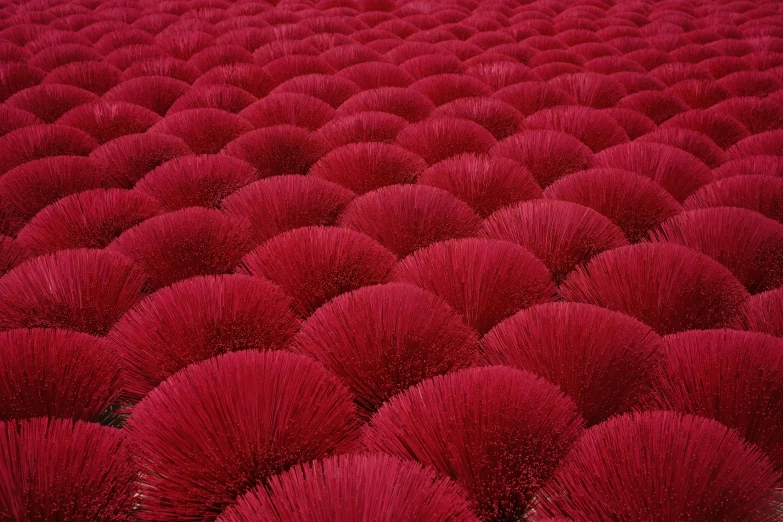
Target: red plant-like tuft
407,335
221,54
205,131
744,241
762,313
128,158
499,432
634,123
287,67
361,127
591,89
724,130
186,243
281,203
48,101
346,56
57,373
763,194
55,56
433,64
499,74
12,119
699,94
156,93
288,109
273,151
634,203
249,77
677,171
15,76
95,77
757,115
768,143
405,218
605,361
375,75
531,97
658,106
224,97
12,253
363,167
81,290
486,184
60,469
498,117
42,141
663,465
730,376
562,234
691,141
750,83
316,264
225,313
485,280
441,138
196,181
669,287
548,155
90,219
333,90
218,428
405,103
443,88
106,121
771,166
593,128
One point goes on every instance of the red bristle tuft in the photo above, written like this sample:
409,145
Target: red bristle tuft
763,194
196,181
762,313
593,128
548,155
677,171
355,488
724,130
691,141
95,77
89,219
634,203
427,65
12,253
361,127
246,76
699,94
444,137
16,76
499,432
282,149
750,83
57,55
405,103
106,121
57,373
205,131
269,53
658,106
375,75
288,67
663,465
131,55
215,430
316,264
81,290
405,218
486,184
562,234
48,102
220,54
281,203
732,377
12,119
225,313
771,166
496,116
673,73
500,74
768,143
669,287
635,124
552,71
443,88
407,335
113,40
330,89
605,361
291,108
347,56
757,115
224,97
635,82
156,93
745,242
42,141
591,89
531,97
483,279
186,243
60,469
183,45
128,158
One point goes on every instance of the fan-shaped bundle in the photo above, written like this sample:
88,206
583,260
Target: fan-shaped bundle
42,141
281,203
196,319
246,76
721,128
591,89
380,340
531,97
548,155
57,373
634,123
730,376
658,106
90,219
405,103
17,76
156,93
65,470
485,183
106,121
11,254
288,108
762,313
277,150
95,77
744,241
634,203
440,138
496,116
605,361
677,171
361,127
592,127
49,101
562,234
499,432
196,181
186,243
223,97
330,89
12,119
757,115
693,142
669,287
363,167
483,279
763,194
750,166
218,428
662,466
205,131
355,488
405,218
768,143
